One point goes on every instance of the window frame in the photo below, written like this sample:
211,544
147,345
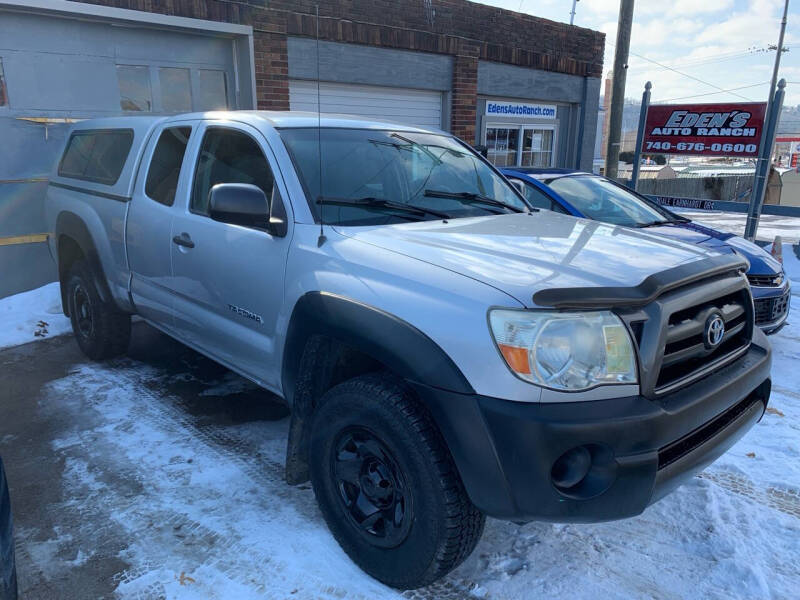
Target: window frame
167,127
208,128
81,132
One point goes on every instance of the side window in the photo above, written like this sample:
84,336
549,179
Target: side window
228,156
535,196
96,156
165,166
3,92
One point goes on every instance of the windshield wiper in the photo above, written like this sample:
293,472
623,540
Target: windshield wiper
663,222
380,203
471,197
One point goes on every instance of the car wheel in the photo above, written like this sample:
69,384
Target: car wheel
101,329
387,485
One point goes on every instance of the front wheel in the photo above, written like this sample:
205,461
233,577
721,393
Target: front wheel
101,329
387,485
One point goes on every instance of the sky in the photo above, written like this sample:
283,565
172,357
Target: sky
721,43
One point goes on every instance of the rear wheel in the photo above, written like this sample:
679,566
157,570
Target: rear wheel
101,329
386,483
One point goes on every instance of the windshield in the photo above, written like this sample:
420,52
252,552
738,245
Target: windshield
367,174
600,199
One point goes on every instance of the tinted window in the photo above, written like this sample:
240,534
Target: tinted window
535,196
3,92
176,91
97,156
228,156
602,200
134,88
165,166
400,166
212,90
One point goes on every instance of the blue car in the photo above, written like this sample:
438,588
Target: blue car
593,197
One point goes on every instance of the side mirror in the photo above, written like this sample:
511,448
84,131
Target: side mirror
243,204
482,149
519,185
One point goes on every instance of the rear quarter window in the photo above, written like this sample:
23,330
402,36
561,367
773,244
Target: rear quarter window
96,156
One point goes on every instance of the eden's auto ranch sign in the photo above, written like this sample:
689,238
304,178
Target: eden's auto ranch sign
704,129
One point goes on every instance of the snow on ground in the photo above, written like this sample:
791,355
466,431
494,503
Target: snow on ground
205,513
32,315
768,225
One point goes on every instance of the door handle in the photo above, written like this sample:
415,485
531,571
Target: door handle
183,240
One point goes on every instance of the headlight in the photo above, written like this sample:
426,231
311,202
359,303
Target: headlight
565,350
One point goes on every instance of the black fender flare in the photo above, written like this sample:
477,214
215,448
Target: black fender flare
69,225
402,348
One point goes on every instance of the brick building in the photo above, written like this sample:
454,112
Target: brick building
525,87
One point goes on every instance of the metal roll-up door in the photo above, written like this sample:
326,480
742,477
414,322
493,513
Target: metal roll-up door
421,108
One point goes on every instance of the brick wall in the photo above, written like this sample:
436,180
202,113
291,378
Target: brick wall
467,31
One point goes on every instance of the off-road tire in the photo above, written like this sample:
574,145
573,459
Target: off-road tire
444,525
108,332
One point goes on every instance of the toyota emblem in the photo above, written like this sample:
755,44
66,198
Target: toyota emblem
715,331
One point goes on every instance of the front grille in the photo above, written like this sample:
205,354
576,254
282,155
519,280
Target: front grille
686,351
773,280
769,310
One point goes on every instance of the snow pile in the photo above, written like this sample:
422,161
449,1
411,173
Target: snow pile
211,516
33,315
768,225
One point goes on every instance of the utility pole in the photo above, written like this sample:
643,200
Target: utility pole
624,26
767,142
572,13
637,152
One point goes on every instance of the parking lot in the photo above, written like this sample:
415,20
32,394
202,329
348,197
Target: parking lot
159,475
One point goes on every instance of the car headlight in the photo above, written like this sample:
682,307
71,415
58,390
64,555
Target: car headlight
569,351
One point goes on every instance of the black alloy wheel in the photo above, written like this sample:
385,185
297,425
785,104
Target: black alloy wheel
372,487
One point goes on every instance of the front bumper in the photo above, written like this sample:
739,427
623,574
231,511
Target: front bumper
505,451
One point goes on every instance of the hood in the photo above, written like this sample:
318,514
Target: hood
521,254
761,263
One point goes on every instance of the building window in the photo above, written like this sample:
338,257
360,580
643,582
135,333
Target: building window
176,90
502,143
522,145
537,147
134,88
3,91
212,90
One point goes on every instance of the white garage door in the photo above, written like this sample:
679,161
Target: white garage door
421,108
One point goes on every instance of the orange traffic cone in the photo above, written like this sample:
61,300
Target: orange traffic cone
777,249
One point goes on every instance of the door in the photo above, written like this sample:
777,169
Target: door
227,279
421,108
537,146
149,221
502,144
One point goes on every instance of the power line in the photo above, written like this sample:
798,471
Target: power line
742,87
722,57
662,65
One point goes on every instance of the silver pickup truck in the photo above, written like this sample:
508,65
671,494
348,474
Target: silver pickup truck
448,352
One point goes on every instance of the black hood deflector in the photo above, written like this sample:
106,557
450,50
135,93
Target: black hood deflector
644,293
